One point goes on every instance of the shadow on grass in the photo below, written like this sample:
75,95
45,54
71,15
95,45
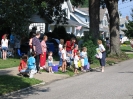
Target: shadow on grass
126,50
13,83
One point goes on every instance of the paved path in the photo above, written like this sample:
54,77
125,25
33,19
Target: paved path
115,83
46,77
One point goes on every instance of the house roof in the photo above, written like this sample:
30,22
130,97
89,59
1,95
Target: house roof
86,10
70,23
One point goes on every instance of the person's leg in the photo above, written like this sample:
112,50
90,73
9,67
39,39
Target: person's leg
62,66
44,59
37,63
3,54
103,60
65,64
49,69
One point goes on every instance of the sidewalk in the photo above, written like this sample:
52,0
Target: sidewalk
45,77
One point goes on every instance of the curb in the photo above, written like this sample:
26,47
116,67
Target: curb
43,83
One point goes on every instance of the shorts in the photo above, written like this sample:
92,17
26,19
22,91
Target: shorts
4,48
50,64
82,62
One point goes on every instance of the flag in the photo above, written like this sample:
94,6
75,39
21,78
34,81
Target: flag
78,27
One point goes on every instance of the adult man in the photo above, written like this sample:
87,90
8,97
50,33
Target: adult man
70,45
37,49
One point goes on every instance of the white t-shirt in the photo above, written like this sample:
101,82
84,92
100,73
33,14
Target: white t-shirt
83,54
50,59
63,52
4,43
60,47
76,59
101,47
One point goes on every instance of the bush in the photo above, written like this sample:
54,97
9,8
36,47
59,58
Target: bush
91,49
127,42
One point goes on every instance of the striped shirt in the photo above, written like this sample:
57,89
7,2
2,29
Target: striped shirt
37,44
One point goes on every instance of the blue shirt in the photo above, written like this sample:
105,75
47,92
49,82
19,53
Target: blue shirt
11,39
31,63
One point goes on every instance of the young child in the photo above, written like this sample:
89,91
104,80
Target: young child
75,50
63,57
50,62
23,66
32,65
83,56
99,54
76,59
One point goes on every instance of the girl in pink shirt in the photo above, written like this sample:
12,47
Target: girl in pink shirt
44,50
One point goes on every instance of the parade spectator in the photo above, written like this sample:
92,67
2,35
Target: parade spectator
103,51
44,52
50,62
17,43
32,65
70,45
63,57
76,60
4,46
12,41
23,66
30,41
38,50
60,49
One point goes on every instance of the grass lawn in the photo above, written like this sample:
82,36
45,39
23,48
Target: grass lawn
10,62
125,48
14,83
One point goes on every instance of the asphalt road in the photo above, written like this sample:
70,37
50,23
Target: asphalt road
115,83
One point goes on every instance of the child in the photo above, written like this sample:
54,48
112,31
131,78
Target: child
99,54
50,62
83,56
23,66
32,65
76,59
75,50
63,57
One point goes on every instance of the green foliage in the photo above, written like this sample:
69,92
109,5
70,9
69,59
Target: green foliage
14,83
91,48
129,26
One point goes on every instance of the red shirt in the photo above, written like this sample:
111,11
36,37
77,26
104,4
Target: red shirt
69,45
22,65
75,51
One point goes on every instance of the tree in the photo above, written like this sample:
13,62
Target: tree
112,6
94,8
129,26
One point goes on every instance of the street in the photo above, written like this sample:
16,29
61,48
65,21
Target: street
115,83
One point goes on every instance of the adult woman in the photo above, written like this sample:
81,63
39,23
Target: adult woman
30,41
44,50
103,51
4,45
60,49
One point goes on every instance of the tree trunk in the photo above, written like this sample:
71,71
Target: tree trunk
94,8
112,6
